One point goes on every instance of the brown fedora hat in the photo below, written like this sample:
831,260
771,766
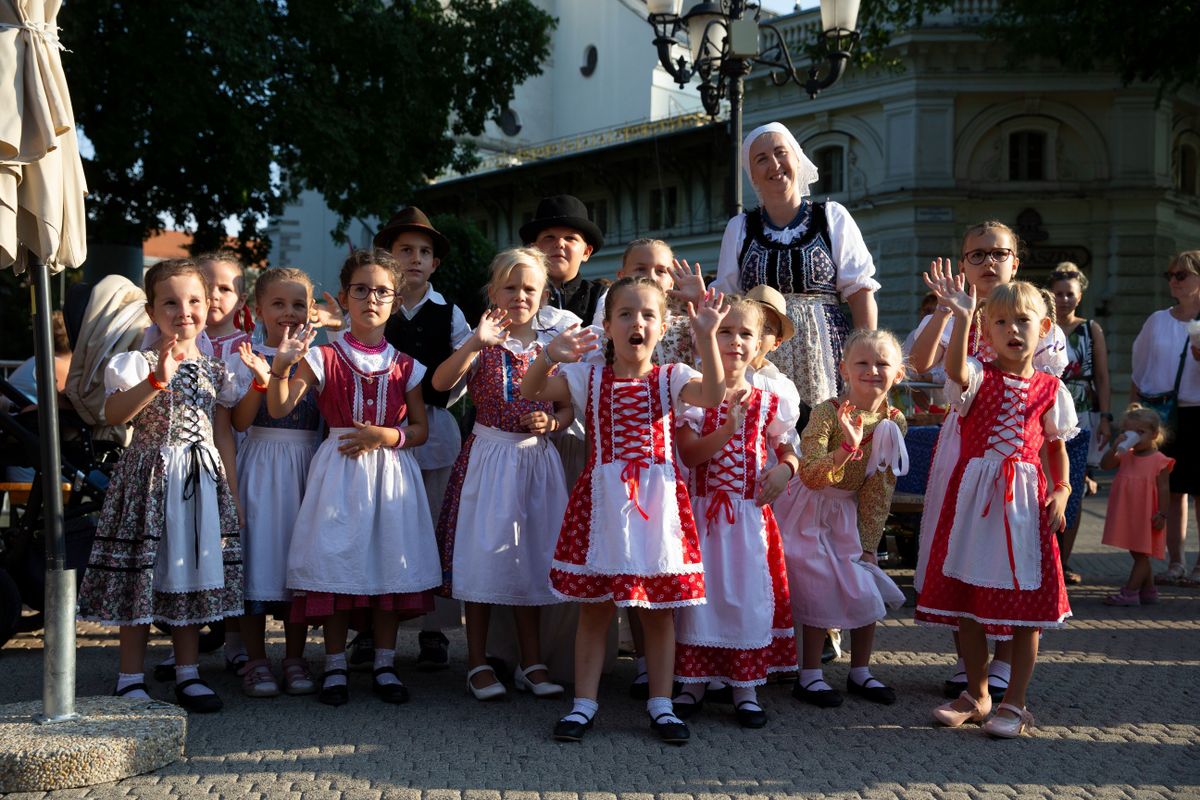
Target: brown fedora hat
772,299
562,211
412,219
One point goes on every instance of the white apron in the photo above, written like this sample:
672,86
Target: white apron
189,557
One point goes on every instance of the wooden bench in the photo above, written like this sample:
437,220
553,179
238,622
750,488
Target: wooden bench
18,491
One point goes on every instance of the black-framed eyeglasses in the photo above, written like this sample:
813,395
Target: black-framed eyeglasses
1180,275
999,256
360,291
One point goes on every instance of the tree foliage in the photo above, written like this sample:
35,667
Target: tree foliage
209,109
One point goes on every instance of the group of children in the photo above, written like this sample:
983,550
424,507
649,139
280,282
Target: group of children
697,507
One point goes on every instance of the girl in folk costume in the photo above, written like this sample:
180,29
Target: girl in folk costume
744,631
629,538
166,547
506,496
989,259
994,558
227,312
363,537
851,452
272,470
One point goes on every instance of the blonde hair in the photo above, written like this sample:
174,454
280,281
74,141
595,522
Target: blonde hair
507,261
636,243
1188,259
873,338
750,308
1068,271
1136,412
993,225
278,275
1008,297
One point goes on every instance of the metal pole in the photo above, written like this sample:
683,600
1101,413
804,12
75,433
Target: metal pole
735,127
58,662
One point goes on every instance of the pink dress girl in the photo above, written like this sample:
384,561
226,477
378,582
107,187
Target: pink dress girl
744,631
363,536
1133,501
629,535
994,558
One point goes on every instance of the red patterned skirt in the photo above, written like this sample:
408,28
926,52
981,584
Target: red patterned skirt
314,607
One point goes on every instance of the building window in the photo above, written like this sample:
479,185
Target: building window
1187,181
598,213
1027,156
831,166
664,208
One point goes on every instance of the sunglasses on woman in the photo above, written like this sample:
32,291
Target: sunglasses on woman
1180,275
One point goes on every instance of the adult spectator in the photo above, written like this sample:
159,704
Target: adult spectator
1163,376
812,253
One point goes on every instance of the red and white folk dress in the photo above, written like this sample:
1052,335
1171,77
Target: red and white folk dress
628,535
994,558
744,631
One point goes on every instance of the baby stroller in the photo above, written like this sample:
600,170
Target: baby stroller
106,320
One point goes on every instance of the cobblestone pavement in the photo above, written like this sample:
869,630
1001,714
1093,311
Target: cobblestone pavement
1116,695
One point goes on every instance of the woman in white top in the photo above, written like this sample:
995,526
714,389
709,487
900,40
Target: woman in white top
1161,366
812,253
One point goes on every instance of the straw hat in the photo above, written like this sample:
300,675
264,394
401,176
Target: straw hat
773,300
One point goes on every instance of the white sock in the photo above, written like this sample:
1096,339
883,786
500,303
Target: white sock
1001,670
813,680
692,693
127,679
716,685
660,706
640,665
584,708
385,658
185,672
335,661
233,645
860,675
746,694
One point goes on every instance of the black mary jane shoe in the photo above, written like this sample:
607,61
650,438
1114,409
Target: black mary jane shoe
389,692
337,695
750,714
571,728
434,651
640,688
884,695
686,710
672,731
164,672
821,698
133,687
722,696
952,688
200,703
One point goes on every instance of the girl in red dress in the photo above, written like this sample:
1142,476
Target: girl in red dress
994,558
629,538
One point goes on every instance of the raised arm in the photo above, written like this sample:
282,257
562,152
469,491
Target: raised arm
247,408
568,347
695,449
710,389
122,406
492,330
953,293
284,393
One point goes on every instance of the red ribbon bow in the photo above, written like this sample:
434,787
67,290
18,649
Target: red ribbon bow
631,475
720,501
1008,471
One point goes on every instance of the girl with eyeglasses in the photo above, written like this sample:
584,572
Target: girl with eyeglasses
989,259
363,541
1165,374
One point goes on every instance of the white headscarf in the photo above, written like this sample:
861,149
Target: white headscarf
806,170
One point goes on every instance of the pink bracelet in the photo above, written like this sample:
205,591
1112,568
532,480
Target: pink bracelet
400,442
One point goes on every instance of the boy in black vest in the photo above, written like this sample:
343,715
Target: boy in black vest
429,329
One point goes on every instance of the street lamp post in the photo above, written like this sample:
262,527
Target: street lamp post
726,39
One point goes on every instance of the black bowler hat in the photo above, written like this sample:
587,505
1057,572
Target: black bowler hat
562,211
412,219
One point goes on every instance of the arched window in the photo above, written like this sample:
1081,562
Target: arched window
1027,156
831,166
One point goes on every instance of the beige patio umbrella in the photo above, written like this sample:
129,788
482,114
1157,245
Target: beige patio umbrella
42,228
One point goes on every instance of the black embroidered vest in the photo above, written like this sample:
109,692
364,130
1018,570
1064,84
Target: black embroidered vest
804,266
425,337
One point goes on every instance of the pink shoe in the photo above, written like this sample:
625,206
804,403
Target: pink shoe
1125,597
1148,597
951,717
1006,727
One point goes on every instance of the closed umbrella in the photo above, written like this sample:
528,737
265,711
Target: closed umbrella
42,228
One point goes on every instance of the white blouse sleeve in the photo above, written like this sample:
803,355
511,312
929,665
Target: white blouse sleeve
691,416
1051,357
1143,356
681,375
317,364
727,263
782,429
855,267
124,371
242,376
1060,422
578,376
596,356
598,317
414,377
961,397
230,390
460,331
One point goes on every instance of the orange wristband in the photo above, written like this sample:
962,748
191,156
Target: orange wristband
258,387
156,384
